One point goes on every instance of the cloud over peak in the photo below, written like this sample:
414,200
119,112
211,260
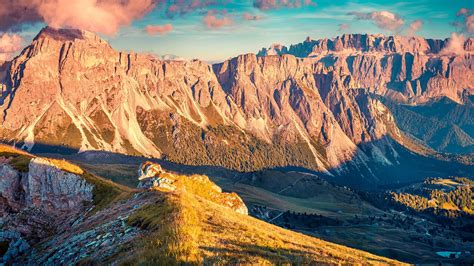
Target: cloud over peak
100,16
385,20
467,16
455,45
414,27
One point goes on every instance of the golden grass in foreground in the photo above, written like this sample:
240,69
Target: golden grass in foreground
175,231
186,228
17,158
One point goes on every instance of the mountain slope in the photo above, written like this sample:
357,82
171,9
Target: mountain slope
197,229
444,125
301,200
193,223
208,233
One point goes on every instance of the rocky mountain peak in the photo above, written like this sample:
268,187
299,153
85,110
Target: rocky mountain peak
64,35
364,43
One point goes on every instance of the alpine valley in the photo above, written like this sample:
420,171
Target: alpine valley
365,141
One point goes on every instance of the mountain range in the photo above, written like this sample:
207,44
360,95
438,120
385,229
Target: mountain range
326,105
302,154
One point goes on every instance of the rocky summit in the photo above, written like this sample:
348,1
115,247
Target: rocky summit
321,105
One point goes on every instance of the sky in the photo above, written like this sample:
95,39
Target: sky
213,30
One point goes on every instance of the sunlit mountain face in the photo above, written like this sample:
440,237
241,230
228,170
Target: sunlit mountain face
210,132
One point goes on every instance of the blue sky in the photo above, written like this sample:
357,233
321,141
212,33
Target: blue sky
190,38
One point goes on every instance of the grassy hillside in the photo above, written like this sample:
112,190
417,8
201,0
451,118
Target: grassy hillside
302,198
186,228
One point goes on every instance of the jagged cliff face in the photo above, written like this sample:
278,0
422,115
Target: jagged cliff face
70,89
407,69
44,186
36,200
364,43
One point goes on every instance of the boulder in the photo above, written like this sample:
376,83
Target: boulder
152,176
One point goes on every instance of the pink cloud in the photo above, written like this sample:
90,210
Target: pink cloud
158,29
383,19
467,15
455,45
213,22
343,27
276,4
248,16
10,44
101,16
470,23
462,11
414,27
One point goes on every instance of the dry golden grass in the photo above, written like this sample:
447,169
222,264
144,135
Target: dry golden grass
9,149
66,166
174,224
17,158
188,228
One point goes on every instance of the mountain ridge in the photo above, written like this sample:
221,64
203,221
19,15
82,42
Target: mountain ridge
264,111
365,43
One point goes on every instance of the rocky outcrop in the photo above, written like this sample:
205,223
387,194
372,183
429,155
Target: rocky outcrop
17,245
37,202
96,237
53,189
152,176
44,186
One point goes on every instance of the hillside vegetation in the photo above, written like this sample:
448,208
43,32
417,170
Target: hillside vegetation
443,125
187,228
191,225
443,196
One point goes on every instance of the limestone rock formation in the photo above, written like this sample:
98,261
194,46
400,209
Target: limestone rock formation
44,186
53,189
152,176
407,69
35,202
